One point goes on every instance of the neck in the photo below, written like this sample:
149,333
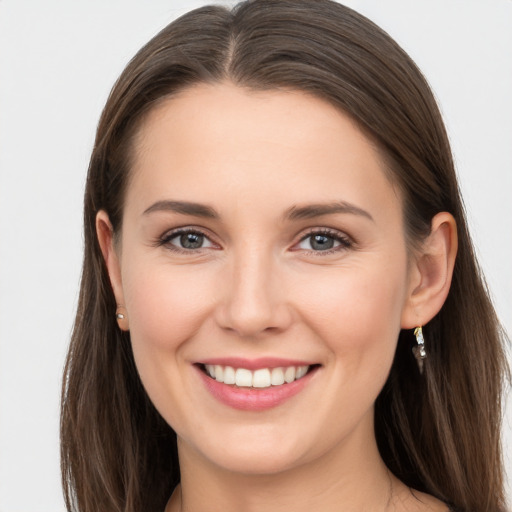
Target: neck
341,479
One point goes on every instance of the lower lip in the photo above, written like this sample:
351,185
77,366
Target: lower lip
254,399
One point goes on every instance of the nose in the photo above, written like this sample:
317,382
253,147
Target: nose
253,300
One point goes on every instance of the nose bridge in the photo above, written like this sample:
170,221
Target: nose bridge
254,301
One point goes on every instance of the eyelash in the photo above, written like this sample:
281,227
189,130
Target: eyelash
344,241
165,240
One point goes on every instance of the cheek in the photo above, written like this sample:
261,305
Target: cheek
165,304
166,307
356,315
357,310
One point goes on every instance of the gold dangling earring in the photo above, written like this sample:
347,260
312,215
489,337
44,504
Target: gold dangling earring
419,350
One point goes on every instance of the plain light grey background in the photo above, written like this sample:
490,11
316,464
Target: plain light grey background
58,61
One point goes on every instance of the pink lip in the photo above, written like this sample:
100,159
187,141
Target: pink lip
251,399
254,364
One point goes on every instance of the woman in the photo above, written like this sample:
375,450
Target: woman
280,307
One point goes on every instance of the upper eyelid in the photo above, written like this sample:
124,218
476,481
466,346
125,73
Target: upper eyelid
335,233
170,233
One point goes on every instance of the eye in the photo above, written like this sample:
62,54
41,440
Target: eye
324,241
186,240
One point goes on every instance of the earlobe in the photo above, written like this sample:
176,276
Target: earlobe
105,234
432,272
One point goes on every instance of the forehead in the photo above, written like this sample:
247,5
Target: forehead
277,146
232,115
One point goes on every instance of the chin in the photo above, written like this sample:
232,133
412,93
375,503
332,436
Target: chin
252,456
257,464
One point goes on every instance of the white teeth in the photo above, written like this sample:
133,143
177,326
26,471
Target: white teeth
289,374
219,373
261,378
277,377
301,371
243,377
229,375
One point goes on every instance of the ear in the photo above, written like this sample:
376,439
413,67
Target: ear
105,234
431,273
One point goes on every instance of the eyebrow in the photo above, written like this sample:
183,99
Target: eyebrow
184,207
294,213
317,210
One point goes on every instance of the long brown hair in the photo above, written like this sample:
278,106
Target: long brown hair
438,432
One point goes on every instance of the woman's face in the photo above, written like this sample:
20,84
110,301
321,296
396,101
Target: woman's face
261,234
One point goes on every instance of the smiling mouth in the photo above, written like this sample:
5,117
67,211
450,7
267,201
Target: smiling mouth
256,379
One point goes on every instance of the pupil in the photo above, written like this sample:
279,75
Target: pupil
322,242
191,241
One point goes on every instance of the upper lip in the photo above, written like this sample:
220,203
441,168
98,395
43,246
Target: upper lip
254,364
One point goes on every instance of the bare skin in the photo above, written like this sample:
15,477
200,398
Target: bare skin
276,494
294,249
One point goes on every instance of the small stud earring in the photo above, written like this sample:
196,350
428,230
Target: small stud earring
419,350
121,318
